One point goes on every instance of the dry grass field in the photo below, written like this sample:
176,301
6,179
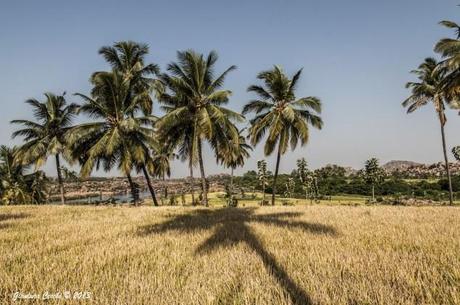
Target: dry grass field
268,255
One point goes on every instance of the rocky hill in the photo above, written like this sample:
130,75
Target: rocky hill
409,169
400,165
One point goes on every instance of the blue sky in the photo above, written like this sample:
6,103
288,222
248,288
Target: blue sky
356,57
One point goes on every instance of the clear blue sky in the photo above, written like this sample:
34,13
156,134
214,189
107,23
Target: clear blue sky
356,57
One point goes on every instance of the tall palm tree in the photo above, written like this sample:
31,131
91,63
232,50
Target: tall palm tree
193,99
127,58
120,137
430,88
233,154
449,48
45,137
281,114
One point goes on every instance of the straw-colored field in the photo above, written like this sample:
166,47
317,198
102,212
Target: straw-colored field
217,199
271,255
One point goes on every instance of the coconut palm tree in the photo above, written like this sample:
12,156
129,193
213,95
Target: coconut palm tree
16,186
456,152
120,137
449,48
161,164
430,89
127,59
234,153
193,99
45,137
144,162
181,139
280,114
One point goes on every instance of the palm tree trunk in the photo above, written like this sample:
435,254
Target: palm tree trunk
165,186
231,179
373,193
316,187
149,184
231,186
192,188
204,184
263,193
278,158
59,176
133,188
446,160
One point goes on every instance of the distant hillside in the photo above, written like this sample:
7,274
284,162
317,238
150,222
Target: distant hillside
411,169
400,165
349,171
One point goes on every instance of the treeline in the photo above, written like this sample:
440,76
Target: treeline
333,180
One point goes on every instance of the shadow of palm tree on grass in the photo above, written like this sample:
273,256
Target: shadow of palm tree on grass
233,227
5,217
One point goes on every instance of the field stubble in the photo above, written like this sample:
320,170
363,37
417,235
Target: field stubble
268,255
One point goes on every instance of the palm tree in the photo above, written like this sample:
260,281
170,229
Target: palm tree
161,164
281,114
456,152
428,89
127,58
120,137
182,139
144,163
305,176
262,176
450,50
193,100
233,154
373,174
16,186
46,136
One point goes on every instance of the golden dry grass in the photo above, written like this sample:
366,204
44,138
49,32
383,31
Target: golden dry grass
217,199
269,255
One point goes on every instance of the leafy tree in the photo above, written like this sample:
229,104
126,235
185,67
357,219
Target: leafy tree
280,114
262,176
373,174
330,179
193,99
430,89
16,186
46,136
331,171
